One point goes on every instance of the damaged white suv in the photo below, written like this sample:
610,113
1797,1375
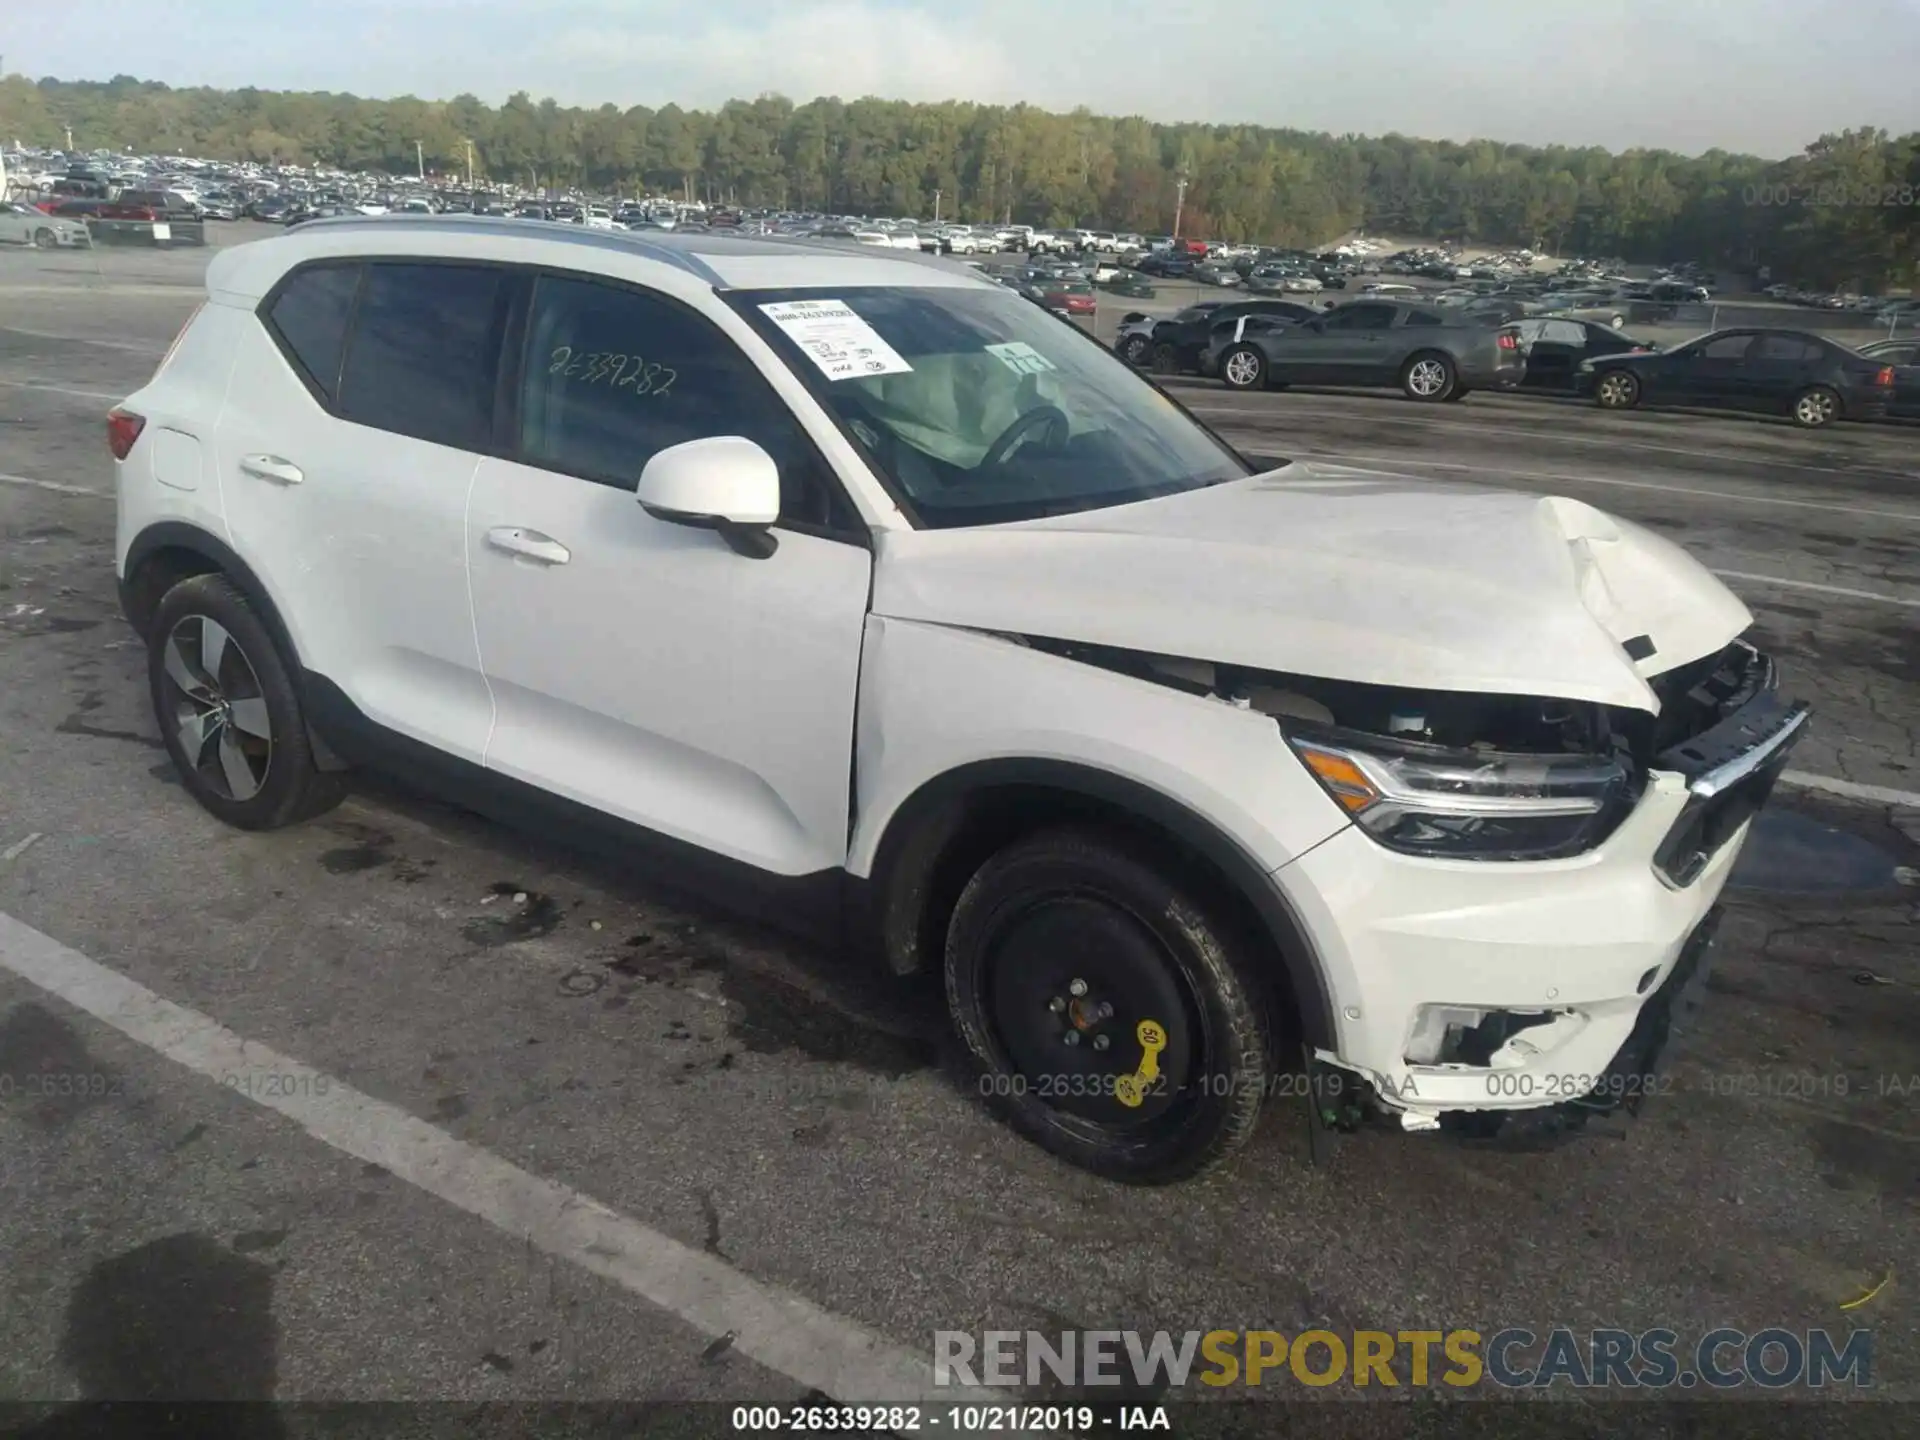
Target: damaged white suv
855,583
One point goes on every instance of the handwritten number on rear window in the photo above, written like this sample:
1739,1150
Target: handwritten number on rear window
612,369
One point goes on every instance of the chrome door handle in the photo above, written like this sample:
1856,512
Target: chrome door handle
271,467
531,543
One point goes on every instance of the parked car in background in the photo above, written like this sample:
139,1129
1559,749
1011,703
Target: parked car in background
1067,297
1214,273
1420,349
1555,347
1131,284
1166,265
1225,333
1586,305
1904,356
1809,378
1181,340
24,225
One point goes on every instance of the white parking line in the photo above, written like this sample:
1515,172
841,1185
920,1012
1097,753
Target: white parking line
1409,468
59,390
54,485
770,1326
1851,594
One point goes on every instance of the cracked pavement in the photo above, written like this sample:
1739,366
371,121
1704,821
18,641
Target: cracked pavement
763,1103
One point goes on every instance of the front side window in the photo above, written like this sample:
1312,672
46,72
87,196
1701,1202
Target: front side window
613,376
309,317
1727,347
424,352
979,408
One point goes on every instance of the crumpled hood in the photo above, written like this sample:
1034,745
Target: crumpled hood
1341,574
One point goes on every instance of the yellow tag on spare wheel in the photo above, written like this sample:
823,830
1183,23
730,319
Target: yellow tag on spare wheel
1131,1090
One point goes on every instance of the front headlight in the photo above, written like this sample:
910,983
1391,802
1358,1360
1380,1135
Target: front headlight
1471,805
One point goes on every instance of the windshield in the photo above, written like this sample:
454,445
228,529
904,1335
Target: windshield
979,408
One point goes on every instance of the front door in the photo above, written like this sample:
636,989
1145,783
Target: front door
642,667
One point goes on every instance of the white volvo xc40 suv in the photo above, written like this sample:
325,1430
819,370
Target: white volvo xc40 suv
858,587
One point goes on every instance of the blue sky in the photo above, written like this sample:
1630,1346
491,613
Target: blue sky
1758,75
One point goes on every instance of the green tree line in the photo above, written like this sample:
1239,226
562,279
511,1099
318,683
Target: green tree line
1847,210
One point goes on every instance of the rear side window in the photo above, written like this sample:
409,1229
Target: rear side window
1787,347
309,318
1421,317
424,353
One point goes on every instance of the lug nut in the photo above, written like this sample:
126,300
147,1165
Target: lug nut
1077,988
1106,1010
1073,1037
1100,1042
1056,1005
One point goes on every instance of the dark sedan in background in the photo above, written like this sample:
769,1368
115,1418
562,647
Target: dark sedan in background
1425,353
1904,356
1555,348
1179,344
1809,378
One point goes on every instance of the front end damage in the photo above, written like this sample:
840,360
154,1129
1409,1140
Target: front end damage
1521,915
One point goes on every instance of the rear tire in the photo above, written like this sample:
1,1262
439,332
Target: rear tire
1815,407
1244,367
228,711
1136,350
1166,360
1066,934
1428,376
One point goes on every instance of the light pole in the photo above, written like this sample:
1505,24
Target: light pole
1179,204
469,165
420,159
936,207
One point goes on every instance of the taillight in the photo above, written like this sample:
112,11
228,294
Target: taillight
1885,377
123,428
1509,342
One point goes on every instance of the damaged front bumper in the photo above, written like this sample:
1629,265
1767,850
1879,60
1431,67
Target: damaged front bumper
1470,991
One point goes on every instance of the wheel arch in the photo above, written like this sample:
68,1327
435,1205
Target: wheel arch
938,837
169,551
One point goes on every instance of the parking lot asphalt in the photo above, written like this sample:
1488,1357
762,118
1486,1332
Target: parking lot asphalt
766,1126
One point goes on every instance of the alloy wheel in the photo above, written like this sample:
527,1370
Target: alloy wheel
1243,368
1814,408
1427,377
218,708
1616,391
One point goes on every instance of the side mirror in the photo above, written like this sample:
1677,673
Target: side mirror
727,484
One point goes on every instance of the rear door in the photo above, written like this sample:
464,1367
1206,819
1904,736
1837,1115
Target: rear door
1777,368
358,405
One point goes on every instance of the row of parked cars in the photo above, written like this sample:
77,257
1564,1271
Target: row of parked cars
1436,354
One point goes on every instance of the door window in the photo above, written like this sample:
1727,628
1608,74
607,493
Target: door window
1361,317
1563,332
425,351
1787,347
1727,347
613,376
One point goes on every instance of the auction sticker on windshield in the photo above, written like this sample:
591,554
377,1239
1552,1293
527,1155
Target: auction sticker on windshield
1021,358
844,346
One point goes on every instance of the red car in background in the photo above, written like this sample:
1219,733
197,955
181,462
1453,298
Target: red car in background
1067,297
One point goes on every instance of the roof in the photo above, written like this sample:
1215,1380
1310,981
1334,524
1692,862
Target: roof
672,261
